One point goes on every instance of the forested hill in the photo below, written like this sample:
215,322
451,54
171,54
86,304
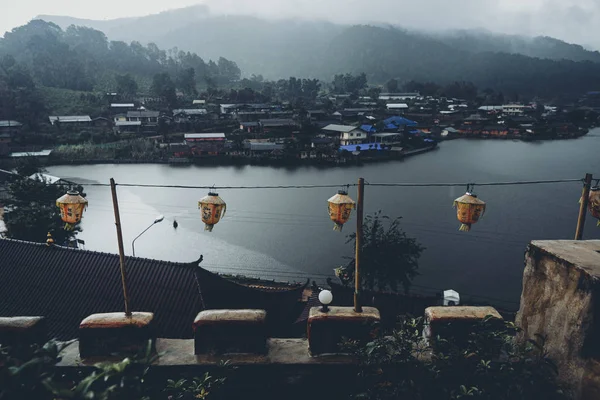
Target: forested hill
195,28
81,58
477,41
316,49
391,53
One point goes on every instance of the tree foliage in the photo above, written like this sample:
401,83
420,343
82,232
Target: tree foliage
19,97
389,260
31,211
79,58
164,87
30,372
348,83
127,87
484,363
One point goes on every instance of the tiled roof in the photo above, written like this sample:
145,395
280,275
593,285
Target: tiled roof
66,285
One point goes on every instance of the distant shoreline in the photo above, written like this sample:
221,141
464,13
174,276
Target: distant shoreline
245,160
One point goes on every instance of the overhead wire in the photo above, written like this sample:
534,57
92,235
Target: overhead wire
393,184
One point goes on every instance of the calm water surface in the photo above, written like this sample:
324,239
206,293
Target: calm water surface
286,234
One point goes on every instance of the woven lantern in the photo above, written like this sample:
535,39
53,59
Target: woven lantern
339,208
594,203
468,210
212,209
71,207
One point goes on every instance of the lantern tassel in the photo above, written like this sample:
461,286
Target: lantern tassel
69,227
208,227
337,227
598,223
465,228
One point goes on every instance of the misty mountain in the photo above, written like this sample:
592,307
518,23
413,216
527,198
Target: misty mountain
143,29
280,48
317,49
477,41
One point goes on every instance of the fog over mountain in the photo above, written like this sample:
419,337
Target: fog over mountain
461,41
307,46
576,21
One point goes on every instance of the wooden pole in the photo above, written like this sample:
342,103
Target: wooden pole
585,197
359,237
113,188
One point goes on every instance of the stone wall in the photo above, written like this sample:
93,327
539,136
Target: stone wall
561,302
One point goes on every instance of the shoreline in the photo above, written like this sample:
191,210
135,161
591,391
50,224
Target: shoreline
244,160
226,160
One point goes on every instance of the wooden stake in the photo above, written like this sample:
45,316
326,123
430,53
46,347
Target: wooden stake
585,197
359,234
113,188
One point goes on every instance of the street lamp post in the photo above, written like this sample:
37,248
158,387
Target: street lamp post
158,219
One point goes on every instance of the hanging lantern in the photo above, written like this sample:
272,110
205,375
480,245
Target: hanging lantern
468,210
212,209
339,208
71,207
594,203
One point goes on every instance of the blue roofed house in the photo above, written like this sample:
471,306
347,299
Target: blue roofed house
368,128
397,122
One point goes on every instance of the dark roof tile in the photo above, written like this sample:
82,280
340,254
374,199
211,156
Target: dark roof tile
66,285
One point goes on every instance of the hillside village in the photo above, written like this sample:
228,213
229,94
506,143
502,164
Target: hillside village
335,129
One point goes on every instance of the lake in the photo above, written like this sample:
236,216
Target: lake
287,234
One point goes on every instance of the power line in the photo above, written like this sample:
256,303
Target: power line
474,183
399,184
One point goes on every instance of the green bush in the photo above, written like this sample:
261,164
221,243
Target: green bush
31,373
488,364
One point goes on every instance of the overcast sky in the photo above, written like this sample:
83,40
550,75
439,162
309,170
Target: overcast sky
575,21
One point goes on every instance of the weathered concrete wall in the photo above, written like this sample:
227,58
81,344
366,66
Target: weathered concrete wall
561,302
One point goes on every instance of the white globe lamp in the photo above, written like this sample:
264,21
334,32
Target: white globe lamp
325,297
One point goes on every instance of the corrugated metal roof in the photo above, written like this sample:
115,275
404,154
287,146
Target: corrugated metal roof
339,128
43,153
66,285
69,118
128,123
397,105
51,179
142,114
10,123
204,136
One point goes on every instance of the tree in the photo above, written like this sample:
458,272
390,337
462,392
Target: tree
127,87
392,86
389,257
19,98
163,87
31,211
374,93
186,81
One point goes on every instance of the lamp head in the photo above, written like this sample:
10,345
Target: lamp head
325,297
158,219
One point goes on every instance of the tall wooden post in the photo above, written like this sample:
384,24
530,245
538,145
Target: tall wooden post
113,188
585,197
359,237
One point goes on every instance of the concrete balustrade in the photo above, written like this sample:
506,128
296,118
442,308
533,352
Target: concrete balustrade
110,333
